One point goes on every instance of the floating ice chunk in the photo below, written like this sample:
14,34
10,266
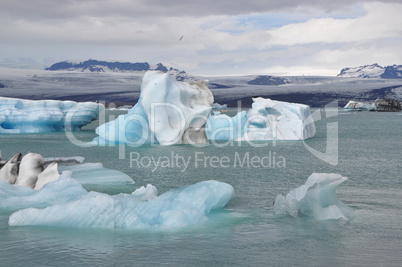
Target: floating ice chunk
146,193
217,106
65,189
39,116
66,160
32,164
168,112
48,175
95,173
316,198
266,120
359,106
181,207
9,169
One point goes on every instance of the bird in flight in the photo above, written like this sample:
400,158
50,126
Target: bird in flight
181,38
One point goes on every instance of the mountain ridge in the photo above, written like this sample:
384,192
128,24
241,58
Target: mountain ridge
372,71
93,65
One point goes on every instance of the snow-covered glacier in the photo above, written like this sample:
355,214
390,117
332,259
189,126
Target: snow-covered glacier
39,116
185,206
266,120
316,198
168,112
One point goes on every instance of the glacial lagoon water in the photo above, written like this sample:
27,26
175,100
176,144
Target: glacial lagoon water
246,232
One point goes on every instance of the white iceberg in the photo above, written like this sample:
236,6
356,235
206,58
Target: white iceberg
266,120
168,112
359,106
48,187
146,193
316,198
34,171
181,207
39,116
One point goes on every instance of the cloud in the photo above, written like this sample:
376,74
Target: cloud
226,37
71,9
381,21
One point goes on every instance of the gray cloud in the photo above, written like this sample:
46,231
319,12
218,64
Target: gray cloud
70,9
326,34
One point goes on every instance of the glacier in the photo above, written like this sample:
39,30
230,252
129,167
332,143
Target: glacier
316,198
182,207
40,116
266,120
168,112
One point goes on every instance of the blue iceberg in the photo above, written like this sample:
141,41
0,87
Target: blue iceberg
182,207
65,189
168,112
40,116
171,112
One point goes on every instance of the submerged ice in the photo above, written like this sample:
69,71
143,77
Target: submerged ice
316,198
39,116
181,207
96,173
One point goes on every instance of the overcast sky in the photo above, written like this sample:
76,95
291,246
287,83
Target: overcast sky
220,37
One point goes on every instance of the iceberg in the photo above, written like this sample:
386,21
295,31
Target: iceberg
217,106
316,198
30,167
168,112
48,187
50,174
182,207
359,106
40,116
149,192
15,197
9,169
221,127
34,171
266,120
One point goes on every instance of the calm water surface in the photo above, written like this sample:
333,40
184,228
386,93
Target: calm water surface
246,233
